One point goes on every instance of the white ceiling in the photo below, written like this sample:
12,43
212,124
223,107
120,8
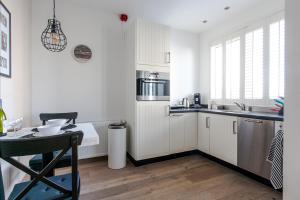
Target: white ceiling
182,14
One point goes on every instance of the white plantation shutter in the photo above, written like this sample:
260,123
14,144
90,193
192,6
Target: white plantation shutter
216,71
276,69
254,64
233,66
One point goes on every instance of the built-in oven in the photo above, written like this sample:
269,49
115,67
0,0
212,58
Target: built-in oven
152,86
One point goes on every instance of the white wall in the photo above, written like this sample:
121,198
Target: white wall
60,84
16,91
96,89
185,61
292,93
248,17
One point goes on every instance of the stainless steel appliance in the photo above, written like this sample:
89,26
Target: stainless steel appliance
186,102
197,100
152,86
254,141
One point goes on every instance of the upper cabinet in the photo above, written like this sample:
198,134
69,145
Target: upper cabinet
152,45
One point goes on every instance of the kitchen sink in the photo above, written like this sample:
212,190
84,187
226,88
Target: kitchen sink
236,111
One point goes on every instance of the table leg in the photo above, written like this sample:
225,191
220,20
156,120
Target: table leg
47,158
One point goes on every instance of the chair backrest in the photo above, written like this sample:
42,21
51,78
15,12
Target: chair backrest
30,146
2,197
71,116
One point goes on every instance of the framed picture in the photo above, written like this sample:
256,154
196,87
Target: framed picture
5,41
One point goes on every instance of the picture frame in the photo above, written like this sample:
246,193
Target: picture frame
82,53
5,41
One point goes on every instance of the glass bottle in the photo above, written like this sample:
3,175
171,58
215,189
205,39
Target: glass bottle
2,118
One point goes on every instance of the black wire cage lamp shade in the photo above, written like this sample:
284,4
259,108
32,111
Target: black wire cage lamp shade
53,37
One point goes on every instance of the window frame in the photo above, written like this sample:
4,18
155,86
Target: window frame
241,33
225,67
222,45
272,21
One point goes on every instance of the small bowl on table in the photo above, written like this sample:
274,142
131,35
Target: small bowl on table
57,122
48,130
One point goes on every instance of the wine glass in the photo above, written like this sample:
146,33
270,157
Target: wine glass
16,125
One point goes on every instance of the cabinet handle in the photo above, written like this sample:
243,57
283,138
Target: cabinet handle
254,121
168,110
176,115
168,57
234,127
207,122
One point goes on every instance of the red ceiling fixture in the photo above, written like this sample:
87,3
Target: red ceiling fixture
123,17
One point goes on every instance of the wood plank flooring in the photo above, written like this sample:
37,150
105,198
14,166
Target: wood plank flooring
187,178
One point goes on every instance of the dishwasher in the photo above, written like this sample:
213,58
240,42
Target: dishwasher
254,140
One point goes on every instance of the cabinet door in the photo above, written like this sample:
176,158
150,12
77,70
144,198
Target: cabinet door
230,152
153,44
177,128
143,42
190,131
223,138
160,45
152,129
203,132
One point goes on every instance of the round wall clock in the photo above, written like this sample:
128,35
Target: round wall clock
82,53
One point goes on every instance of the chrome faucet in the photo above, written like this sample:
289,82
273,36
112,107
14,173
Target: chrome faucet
242,106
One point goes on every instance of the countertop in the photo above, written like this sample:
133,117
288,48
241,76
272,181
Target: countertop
246,114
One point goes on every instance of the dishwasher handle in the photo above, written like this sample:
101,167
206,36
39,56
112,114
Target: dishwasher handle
254,121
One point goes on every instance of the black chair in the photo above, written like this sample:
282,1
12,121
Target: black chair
72,116
36,163
65,186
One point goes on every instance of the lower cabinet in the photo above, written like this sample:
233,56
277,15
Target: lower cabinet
190,131
217,136
177,133
153,134
183,132
159,134
203,132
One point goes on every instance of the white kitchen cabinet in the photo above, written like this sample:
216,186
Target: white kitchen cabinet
223,138
217,136
177,135
152,44
183,132
152,129
231,153
190,131
203,132
147,49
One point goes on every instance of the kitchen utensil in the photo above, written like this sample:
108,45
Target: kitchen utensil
279,101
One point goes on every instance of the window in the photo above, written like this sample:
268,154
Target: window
276,68
250,66
216,73
233,69
254,64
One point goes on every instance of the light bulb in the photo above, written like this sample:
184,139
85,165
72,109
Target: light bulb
55,38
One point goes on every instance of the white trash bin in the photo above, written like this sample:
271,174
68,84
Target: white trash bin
117,145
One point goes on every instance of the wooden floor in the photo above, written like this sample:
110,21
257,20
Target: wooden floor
192,177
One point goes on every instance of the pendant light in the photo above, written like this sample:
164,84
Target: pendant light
53,37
